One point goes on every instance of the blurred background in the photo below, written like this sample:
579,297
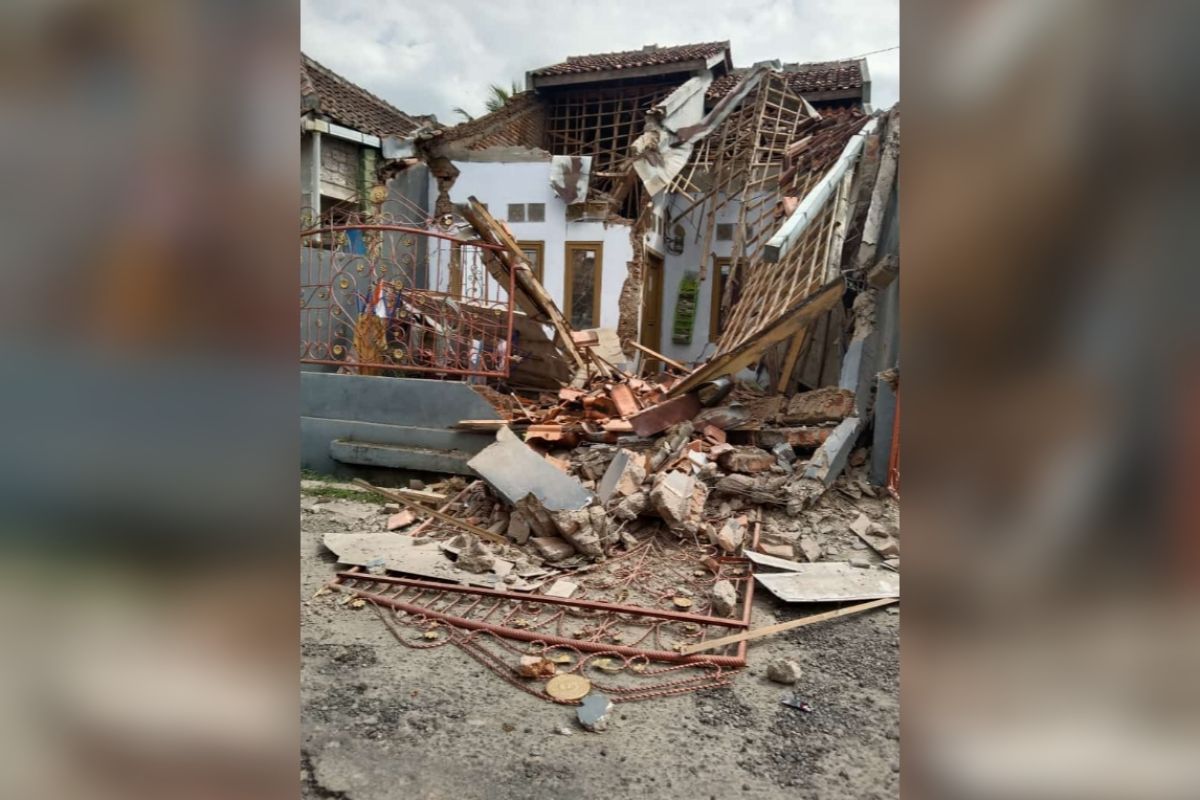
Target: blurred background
147,321
149,406
1049,331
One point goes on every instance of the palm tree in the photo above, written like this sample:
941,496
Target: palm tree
462,112
500,96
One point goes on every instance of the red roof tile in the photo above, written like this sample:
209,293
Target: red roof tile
634,58
324,90
825,76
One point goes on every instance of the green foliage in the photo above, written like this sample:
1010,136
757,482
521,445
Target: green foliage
685,309
499,96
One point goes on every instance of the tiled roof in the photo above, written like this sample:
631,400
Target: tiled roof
826,76
519,122
347,104
629,59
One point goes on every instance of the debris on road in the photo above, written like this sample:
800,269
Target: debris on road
593,712
784,670
568,687
624,503
830,582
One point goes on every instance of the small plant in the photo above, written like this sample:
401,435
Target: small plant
685,309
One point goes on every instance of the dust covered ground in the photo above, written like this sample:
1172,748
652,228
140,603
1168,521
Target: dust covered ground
380,720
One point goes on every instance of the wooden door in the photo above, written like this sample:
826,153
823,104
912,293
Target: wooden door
652,302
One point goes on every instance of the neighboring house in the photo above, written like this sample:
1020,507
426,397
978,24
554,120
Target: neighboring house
637,181
341,128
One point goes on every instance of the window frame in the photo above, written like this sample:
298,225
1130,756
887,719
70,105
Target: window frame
569,277
514,207
540,247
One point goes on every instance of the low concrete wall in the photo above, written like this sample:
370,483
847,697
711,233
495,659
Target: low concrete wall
398,412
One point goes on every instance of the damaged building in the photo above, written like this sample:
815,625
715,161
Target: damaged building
620,175
631,341
657,212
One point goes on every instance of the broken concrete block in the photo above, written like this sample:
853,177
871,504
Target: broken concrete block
731,535
561,588
515,470
679,499
747,460
809,548
623,477
862,562
784,670
518,528
577,527
830,404
724,599
784,453
539,519
861,525
777,550
553,548
606,532
631,507
476,557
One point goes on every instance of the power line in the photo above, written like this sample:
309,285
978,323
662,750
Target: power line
874,52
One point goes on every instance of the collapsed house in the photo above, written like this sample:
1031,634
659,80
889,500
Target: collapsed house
646,305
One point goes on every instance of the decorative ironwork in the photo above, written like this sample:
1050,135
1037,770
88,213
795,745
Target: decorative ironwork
381,294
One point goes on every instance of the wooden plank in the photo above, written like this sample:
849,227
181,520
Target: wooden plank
789,361
770,630
787,324
670,362
495,538
494,233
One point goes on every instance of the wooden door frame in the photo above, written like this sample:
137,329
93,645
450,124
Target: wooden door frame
716,296
540,247
569,276
662,260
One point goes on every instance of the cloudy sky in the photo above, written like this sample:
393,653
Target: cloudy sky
428,57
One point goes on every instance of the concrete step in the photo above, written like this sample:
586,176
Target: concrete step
422,459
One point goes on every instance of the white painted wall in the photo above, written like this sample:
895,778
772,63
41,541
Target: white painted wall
499,184
689,260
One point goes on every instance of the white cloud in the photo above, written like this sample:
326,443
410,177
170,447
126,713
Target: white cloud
428,58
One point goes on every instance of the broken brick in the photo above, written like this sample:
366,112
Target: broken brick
400,520
623,400
537,667
712,433
830,404
748,460
658,418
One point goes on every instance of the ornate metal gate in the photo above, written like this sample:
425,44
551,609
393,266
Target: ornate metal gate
378,296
